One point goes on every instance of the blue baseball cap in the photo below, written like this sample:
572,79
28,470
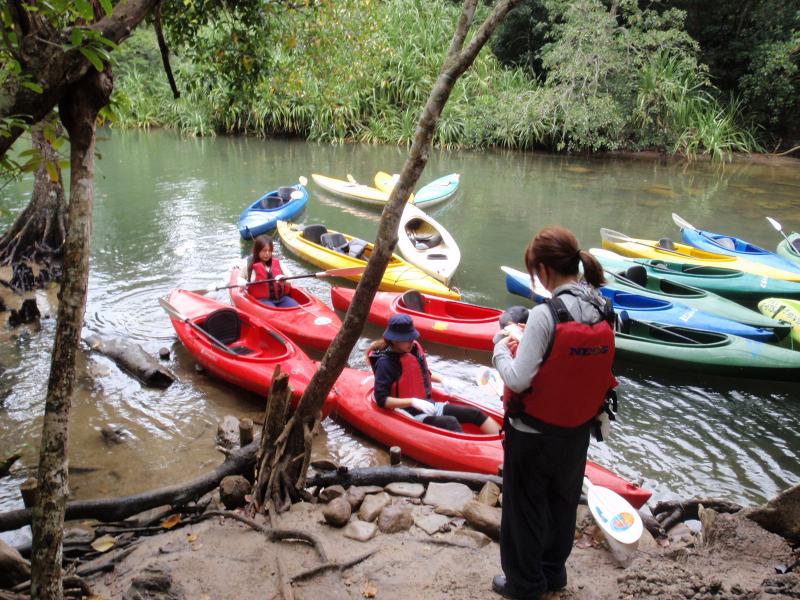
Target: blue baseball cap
400,329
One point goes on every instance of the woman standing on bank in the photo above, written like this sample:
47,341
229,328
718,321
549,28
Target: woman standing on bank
264,266
557,378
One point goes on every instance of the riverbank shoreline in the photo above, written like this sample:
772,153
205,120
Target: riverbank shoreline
733,559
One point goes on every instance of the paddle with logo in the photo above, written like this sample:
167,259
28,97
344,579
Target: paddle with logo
615,516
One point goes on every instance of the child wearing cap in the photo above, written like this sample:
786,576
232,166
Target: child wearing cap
403,381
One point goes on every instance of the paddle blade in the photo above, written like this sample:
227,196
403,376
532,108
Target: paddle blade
775,224
346,272
613,514
170,310
682,223
489,379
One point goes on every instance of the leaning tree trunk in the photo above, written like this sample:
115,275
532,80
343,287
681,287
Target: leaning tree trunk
78,110
39,230
296,450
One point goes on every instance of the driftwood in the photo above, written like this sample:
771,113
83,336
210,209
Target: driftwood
385,475
5,465
672,512
237,462
132,359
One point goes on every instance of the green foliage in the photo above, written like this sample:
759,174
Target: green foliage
362,70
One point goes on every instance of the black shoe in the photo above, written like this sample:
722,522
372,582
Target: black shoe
500,586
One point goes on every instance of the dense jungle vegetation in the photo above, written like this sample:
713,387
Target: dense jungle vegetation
683,76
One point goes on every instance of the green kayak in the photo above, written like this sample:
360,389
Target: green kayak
784,310
704,351
735,285
790,249
636,280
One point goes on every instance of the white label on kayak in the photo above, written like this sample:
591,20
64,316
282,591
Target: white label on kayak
322,321
685,317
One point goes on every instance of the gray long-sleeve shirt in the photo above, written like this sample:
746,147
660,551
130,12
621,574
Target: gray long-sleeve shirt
517,372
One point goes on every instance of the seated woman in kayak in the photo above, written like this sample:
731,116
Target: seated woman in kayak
403,380
264,266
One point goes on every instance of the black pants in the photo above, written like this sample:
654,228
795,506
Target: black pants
453,415
542,478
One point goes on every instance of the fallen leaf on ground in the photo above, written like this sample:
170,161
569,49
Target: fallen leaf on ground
369,590
104,543
585,541
170,521
190,537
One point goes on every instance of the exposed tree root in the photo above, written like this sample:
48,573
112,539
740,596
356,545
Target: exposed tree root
670,513
332,566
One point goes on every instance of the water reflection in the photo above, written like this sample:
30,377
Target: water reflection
166,216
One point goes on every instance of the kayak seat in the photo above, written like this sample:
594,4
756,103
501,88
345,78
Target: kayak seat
637,274
271,202
357,247
796,244
413,300
313,233
666,244
623,322
224,325
285,194
334,241
727,243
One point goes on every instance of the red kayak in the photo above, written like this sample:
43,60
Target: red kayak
237,347
311,323
439,448
437,319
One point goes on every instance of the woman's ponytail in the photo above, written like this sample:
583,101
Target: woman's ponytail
592,269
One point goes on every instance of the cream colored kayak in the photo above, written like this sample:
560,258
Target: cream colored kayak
424,242
353,190
668,250
331,249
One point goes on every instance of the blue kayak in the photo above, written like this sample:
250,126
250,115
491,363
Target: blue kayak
652,310
279,205
733,246
437,190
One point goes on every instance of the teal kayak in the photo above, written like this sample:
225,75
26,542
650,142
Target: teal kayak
736,285
636,280
704,351
790,249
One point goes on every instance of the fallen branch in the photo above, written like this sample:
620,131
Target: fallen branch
271,533
238,462
132,359
385,475
672,512
328,566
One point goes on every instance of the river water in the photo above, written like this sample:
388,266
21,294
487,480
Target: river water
165,216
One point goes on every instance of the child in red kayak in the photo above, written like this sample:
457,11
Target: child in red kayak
263,265
403,380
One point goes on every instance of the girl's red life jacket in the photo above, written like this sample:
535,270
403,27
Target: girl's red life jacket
415,378
272,290
575,376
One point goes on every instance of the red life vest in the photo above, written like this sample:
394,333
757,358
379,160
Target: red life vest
415,378
575,376
270,291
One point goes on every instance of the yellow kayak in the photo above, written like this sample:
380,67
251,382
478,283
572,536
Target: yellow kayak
671,251
353,190
331,249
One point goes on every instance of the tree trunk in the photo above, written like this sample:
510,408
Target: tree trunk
38,232
42,56
78,110
309,408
